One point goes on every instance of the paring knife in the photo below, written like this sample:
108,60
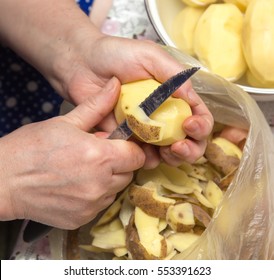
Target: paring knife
34,230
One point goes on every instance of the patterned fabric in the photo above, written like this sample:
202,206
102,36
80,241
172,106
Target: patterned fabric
128,18
85,5
25,96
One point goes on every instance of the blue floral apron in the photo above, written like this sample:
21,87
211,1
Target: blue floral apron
25,95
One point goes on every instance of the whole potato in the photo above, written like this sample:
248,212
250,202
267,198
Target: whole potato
241,4
258,41
183,28
217,40
198,3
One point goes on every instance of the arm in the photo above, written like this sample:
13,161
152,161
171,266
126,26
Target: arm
48,169
56,173
62,43
48,34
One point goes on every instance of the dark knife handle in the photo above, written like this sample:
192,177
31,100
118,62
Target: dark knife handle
34,231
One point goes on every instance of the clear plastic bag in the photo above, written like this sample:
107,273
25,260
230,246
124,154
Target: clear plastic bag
242,226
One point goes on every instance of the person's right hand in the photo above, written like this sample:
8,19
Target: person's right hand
56,173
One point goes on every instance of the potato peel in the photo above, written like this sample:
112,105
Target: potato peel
155,217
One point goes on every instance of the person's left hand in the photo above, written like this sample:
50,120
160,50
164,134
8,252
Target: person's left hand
131,60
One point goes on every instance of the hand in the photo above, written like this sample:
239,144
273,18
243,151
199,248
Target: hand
56,173
78,61
131,60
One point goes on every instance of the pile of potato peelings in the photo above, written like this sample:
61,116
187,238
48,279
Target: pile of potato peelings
164,210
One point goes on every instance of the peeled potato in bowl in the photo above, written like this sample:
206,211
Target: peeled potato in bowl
258,42
241,4
184,26
217,40
198,3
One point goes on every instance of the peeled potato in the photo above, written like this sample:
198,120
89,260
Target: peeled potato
198,3
241,4
217,40
164,126
258,41
184,26
255,82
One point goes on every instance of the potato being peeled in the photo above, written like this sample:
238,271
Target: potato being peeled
217,40
164,126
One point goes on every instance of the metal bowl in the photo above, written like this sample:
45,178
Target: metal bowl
162,13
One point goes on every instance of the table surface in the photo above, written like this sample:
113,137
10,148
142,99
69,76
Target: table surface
123,18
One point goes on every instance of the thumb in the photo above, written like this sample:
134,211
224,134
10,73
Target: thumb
97,106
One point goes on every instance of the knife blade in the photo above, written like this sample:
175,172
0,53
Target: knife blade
34,230
154,100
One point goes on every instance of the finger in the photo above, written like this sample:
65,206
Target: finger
101,134
108,124
119,182
158,67
152,156
196,127
89,113
234,134
125,156
200,124
185,150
